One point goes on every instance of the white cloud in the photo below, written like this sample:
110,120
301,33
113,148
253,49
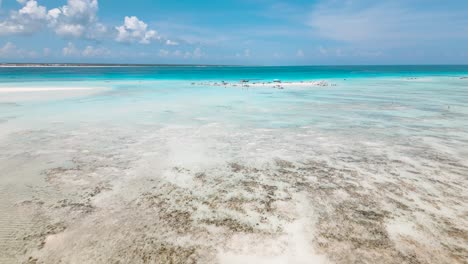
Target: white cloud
171,43
91,51
338,52
33,10
72,30
78,18
29,19
70,50
347,52
246,53
9,27
75,12
197,53
322,50
53,15
135,30
97,31
163,53
9,50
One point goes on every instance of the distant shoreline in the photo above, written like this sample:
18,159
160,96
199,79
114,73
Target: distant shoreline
108,65
86,65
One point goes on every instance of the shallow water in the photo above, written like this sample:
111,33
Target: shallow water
162,165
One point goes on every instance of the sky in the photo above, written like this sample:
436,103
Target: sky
237,32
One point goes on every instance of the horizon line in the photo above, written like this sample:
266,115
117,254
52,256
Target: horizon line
75,64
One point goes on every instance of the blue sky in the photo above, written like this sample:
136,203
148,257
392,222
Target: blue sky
259,32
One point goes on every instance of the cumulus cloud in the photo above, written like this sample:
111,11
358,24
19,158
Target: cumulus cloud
33,10
70,50
78,18
9,50
89,51
29,19
135,30
9,27
75,12
71,30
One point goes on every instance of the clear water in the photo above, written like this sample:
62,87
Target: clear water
163,165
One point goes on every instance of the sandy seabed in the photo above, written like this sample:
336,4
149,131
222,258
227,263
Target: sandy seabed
100,192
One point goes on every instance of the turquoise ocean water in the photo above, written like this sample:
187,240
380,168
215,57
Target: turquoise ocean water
364,96
224,72
167,157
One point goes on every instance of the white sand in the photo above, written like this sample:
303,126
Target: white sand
43,89
22,94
